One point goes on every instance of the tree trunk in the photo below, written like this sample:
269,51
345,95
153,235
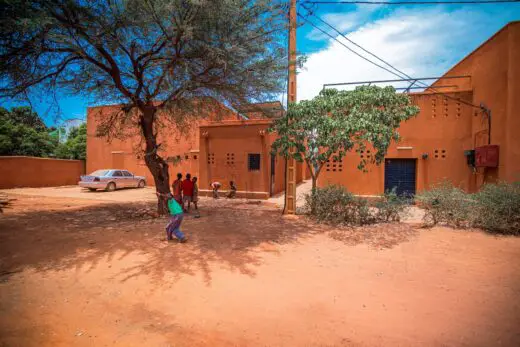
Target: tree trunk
158,166
313,192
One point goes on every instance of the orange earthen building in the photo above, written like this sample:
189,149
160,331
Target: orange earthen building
466,133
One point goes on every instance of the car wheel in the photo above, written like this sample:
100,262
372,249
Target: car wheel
92,189
111,187
141,184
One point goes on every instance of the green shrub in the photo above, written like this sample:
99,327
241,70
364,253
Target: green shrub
391,207
335,205
498,208
445,204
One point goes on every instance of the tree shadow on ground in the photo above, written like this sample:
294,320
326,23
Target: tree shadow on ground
234,235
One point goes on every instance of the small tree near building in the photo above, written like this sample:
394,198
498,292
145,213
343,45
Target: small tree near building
336,122
150,56
75,147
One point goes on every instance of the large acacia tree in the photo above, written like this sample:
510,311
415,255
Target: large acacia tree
150,56
336,122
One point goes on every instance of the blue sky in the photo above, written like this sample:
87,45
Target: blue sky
419,40
422,41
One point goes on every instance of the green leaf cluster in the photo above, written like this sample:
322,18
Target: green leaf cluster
23,132
76,145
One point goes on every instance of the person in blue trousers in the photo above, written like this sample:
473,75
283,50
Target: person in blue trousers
176,217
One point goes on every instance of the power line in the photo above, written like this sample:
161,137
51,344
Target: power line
347,47
355,44
470,2
380,59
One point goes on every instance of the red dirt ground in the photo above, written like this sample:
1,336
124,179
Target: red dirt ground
84,273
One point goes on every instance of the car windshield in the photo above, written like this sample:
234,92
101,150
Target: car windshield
99,173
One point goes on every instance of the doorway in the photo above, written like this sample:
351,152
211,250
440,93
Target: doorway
273,164
400,174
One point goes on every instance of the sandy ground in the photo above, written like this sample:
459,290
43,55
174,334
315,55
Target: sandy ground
79,272
75,192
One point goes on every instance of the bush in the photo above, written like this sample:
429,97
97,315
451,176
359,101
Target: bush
335,205
498,208
445,204
391,207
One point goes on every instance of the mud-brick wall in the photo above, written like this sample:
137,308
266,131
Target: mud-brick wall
39,172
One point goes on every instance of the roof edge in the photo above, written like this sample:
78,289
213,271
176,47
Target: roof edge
489,39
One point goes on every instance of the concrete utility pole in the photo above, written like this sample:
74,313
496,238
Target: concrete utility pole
290,190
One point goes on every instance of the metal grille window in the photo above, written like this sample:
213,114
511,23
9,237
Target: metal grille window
253,162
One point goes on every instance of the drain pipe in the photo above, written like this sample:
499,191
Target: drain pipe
487,111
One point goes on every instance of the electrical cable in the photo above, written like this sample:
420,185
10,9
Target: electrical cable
375,56
347,47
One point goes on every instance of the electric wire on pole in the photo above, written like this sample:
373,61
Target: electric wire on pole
399,73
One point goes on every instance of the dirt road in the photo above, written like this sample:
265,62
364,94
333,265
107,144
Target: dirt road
76,272
75,192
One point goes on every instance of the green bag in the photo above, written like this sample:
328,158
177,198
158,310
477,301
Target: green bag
174,207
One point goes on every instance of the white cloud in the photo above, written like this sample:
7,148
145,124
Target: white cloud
419,42
345,21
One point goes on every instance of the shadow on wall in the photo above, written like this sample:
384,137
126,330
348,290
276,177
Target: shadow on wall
227,235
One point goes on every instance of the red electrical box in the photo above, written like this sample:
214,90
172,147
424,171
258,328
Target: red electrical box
486,156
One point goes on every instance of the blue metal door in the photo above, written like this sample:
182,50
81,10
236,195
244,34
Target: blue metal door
400,174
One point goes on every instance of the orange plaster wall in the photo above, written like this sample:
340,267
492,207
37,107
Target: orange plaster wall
279,169
39,172
512,138
435,128
239,139
495,79
122,153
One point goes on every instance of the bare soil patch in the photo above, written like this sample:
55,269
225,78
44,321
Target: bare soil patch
80,272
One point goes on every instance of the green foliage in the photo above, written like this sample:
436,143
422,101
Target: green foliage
162,61
336,122
497,208
22,132
20,139
76,145
391,207
135,52
335,205
445,204
22,115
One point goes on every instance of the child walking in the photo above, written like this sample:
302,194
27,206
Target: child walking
195,193
176,217
177,188
187,193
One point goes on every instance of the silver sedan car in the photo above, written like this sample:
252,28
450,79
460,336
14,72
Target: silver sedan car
111,180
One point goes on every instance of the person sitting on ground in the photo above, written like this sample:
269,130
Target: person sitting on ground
176,217
187,193
215,186
195,197
232,190
177,189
